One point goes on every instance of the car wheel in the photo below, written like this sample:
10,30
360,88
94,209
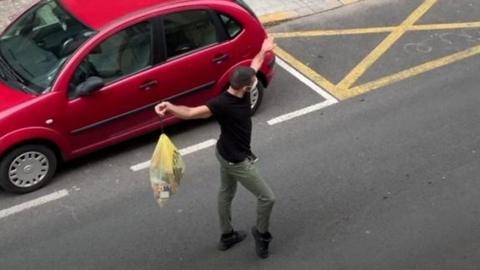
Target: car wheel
256,96
27,168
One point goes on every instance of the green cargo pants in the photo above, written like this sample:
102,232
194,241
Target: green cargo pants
246,174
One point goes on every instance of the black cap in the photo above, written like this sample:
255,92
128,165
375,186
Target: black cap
241,77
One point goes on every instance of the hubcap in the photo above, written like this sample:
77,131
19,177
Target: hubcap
28,169
254,93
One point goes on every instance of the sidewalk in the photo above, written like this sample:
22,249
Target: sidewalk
10,8
269,11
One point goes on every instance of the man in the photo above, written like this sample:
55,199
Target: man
232,110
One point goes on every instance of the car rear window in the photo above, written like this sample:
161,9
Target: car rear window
246,6
232,27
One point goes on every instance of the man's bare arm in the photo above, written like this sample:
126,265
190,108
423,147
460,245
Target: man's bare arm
183,112
267,46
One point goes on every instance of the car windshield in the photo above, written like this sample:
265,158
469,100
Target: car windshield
34,48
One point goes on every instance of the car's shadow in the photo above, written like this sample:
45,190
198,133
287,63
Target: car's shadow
127,146
114,150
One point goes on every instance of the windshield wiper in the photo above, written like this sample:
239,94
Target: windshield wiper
13,73
6,70
3,75
2,68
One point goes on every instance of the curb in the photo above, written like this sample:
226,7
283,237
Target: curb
282,16
278,17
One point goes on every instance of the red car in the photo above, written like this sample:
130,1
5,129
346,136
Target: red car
79,75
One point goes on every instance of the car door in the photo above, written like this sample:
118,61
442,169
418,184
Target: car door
195,56
123,61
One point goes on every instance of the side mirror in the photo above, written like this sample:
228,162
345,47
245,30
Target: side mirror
89,86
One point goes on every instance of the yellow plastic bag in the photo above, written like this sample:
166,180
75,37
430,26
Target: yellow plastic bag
166,170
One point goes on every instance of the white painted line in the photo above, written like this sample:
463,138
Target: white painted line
301,112
306,81
329,99
33,203
197,147
183,152
140,166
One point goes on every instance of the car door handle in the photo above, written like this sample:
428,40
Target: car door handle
220,58
148,85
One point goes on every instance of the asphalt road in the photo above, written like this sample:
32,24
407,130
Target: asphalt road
384,180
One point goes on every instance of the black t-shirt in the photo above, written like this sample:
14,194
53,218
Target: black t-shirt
234,116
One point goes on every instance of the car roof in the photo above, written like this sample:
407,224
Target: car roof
97,14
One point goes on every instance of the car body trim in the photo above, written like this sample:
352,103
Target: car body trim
202,87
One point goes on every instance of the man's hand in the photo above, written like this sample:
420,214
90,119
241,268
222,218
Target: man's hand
183,112
162,108
268,44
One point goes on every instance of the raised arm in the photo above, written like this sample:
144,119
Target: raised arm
183,112
268,45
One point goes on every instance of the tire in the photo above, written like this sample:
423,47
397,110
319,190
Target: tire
256,97
27,168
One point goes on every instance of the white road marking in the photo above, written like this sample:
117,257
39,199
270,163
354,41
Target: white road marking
183,152
329,99
33,203
197,147
326,95
300,112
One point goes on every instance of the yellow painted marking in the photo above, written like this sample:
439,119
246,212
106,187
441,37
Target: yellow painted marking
444,26
337,32
277,17
343,91
411,72
386,44
346,2
373,30
307,71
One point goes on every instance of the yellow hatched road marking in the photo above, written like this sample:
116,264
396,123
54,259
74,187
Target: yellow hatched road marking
373,30
386,44
338,32
444,26
344,90
307,71
411,72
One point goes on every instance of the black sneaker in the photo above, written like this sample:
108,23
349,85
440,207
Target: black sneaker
229,240
262,240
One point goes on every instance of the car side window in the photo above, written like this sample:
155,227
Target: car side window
232,27
120,55
187,31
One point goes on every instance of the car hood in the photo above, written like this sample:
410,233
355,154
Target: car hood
10,97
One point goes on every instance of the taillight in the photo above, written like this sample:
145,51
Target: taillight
273,59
